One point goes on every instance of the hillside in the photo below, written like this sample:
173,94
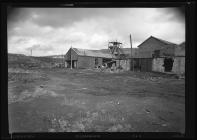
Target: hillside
23,61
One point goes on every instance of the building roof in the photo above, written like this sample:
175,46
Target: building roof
93,53
125,51
164,42
105,53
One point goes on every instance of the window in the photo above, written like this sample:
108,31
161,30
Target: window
168,64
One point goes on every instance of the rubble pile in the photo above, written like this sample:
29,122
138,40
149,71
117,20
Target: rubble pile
109,69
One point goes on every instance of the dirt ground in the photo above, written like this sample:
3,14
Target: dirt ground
64,100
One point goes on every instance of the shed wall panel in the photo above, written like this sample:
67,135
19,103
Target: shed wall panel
100,61
146,64
125,64
85,62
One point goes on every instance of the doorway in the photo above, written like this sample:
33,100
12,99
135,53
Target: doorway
168,64
74,64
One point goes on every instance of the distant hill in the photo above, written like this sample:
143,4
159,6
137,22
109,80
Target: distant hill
55,56
20,60
16,54
49,59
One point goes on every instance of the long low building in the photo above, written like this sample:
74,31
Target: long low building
83,58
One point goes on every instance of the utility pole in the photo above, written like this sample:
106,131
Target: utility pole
131,54
31,52
63,60
71,57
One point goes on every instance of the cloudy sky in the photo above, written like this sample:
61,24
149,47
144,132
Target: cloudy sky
50,31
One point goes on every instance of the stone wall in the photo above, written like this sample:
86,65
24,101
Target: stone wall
85,62
179,65
157,65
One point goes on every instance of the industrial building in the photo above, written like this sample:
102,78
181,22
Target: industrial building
153,54
114,56
83,58
158,55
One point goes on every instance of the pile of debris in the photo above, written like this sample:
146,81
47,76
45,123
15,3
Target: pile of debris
107,69
180,76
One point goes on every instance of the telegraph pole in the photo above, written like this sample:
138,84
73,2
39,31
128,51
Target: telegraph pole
31,52
71,57
131,54
63,60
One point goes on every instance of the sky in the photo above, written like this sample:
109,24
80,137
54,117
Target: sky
52,31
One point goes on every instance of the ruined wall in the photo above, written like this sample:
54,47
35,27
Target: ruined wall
125,64
85,62
157,65
179,65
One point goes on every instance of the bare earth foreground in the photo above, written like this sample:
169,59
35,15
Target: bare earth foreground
64,100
